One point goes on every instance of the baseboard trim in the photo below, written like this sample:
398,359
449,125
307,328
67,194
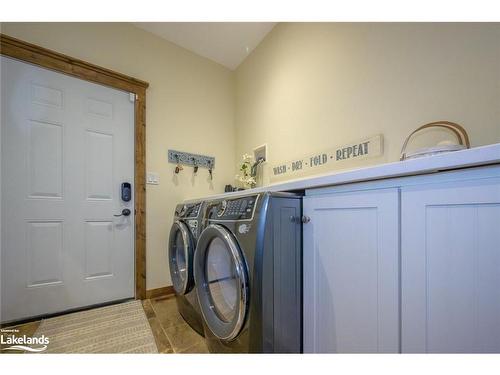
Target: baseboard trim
160,292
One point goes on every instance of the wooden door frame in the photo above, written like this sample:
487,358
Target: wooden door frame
58,62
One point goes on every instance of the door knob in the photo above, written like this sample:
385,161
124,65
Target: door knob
125,212
306,219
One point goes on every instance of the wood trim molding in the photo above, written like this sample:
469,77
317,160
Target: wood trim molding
47,58
140,195
160,292
56,61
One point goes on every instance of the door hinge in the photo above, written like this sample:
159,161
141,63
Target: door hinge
132,97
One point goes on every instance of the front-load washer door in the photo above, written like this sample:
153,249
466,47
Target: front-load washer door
180,256
221,278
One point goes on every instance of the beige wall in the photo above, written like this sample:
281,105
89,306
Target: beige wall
309,87
190,106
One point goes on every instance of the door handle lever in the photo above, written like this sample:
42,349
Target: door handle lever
125,212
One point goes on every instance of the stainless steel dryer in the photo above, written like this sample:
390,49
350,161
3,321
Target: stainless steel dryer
248,272
181,249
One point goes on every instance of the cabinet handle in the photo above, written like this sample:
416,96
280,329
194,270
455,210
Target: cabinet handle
306,219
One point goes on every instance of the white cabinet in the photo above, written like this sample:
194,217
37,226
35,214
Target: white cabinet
351,278
450,267
407,264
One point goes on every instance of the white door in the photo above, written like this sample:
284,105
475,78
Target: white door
450,259
351,272
67,145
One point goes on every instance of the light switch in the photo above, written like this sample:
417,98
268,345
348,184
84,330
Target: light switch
153,178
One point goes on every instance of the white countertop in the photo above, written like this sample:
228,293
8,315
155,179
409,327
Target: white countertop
476,156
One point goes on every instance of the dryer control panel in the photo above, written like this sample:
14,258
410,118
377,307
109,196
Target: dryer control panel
188,210
236,209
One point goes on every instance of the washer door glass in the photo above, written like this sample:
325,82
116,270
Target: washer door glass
181,258
222,279
221,282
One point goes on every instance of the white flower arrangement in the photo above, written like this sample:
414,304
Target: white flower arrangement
246,177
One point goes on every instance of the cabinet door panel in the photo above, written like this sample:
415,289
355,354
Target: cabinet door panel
351,262
451,267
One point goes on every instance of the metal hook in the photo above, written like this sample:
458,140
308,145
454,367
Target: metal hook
195,166
178,168
209,162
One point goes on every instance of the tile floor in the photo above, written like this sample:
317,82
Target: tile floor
171,333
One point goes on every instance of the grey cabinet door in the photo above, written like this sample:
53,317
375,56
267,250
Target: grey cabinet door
450,259
351,272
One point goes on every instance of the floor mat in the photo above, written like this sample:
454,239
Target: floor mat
120,328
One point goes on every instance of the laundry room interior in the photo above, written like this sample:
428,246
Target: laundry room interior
250,187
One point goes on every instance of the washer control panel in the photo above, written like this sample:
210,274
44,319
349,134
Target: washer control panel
237,209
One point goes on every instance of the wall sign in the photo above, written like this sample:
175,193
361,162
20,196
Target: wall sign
362,149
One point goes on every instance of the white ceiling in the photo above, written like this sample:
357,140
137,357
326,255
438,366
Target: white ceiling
227,43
